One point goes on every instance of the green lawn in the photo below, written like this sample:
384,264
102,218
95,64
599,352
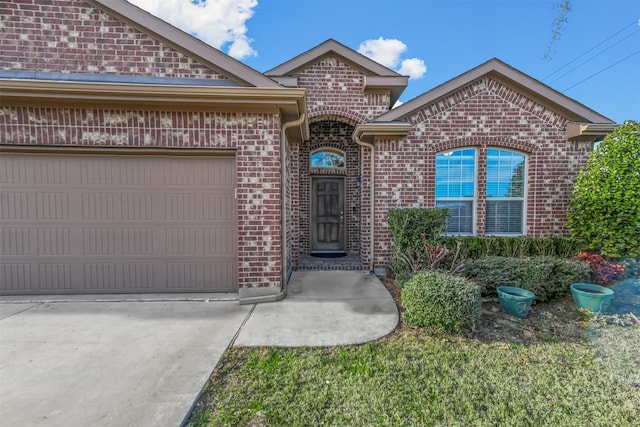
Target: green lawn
413,379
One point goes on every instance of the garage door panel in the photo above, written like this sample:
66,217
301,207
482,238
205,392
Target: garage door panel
14,205
16,277
15,241
91,224
55,276
139,276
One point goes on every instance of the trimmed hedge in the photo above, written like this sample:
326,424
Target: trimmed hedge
547,277
441,301
476,247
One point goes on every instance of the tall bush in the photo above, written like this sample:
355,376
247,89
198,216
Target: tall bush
414,232
605,209
441,301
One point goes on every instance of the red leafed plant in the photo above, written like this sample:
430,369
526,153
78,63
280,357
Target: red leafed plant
603,272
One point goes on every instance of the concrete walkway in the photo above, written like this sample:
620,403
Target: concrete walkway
323,308
142,360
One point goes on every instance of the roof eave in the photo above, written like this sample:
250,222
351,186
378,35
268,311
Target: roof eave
369,132
291,102
593,131
324,49
509,76
394,84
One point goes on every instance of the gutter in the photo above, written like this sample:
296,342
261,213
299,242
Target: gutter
260,295
372,195
283,194
391,130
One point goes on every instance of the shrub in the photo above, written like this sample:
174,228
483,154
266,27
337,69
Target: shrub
605,209
547,277
441,301
603,272
476,247
631,267
413,231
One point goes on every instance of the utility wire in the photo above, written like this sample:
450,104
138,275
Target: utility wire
604,69
584,53
593,57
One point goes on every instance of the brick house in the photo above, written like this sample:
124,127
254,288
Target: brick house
136,158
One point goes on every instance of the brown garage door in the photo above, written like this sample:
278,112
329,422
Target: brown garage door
117,223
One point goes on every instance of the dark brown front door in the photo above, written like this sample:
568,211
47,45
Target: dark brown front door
327,215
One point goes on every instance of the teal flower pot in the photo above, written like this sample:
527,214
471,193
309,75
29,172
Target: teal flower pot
515,301
594,298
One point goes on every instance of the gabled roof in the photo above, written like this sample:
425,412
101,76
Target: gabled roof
377,76
183,43
509,76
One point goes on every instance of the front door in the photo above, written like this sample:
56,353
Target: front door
327,215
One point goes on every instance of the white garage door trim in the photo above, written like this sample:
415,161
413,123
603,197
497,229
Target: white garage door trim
109,223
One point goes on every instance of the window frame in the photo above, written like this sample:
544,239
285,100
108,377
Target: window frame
473,199
481,193
523,198
332,150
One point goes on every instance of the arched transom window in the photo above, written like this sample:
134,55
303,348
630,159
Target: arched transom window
328,158
504,192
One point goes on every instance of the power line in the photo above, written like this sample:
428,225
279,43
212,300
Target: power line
604,69
584,53
593,57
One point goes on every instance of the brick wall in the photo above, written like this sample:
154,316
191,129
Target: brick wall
336,102
71,36
335,134
255,137
482,114
334,88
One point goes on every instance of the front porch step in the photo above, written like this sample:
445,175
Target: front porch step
346,263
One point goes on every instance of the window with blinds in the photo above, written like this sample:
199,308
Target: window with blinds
455,188
505,192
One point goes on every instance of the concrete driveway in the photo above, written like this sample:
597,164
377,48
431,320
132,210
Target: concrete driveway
109,363
143,360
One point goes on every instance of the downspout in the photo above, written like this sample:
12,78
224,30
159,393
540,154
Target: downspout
268,297
283,200
372,197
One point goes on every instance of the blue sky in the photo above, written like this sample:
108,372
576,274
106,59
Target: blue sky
436,41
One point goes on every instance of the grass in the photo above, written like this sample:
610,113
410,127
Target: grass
412,378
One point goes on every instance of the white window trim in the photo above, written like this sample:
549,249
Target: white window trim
523,198
474,199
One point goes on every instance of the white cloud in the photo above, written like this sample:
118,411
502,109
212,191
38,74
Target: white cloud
414,68
384,51
388,52
220,23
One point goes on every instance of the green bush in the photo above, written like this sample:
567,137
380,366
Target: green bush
441,301
547,277
476,247
413,231
605,209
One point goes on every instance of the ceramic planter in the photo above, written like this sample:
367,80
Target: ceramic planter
594,298
515,301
